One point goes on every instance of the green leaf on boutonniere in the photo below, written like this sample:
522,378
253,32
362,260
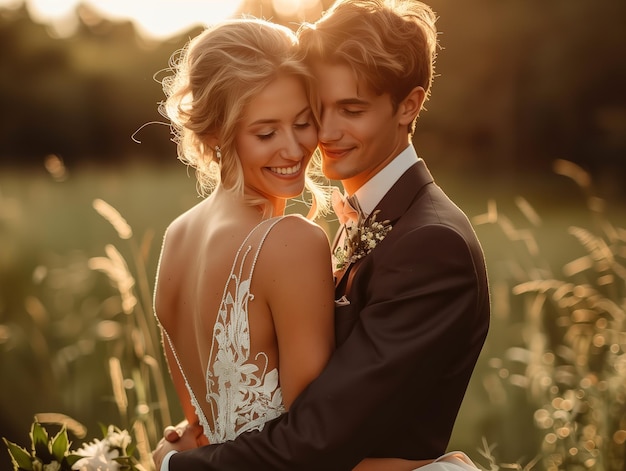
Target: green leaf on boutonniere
19,456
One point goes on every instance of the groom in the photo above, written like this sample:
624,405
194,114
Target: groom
412,315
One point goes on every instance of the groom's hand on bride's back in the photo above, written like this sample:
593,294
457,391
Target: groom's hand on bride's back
181,437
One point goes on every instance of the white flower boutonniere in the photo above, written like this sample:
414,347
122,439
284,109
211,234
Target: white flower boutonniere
360,240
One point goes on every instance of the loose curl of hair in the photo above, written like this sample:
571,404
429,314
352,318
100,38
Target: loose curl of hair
214,78
391,44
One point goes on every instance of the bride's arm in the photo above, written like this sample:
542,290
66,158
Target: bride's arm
300,293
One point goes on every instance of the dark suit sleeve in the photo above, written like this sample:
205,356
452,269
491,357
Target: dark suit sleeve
420,289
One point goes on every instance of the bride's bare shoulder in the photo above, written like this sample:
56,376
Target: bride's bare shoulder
295,238
183,224
296,228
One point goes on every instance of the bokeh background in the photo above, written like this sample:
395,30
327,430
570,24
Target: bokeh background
525,130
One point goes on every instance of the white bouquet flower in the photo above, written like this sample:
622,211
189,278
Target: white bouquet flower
112,453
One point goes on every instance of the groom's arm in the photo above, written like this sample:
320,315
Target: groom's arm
422,290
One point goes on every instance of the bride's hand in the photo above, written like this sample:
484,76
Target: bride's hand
187,431
181,437
172,433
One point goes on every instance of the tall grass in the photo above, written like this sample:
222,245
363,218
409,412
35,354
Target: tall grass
120,330
570,359
136,370
78,337
84,342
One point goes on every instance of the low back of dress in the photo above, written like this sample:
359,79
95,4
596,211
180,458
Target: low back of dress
240,395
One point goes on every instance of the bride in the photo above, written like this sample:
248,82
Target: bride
243,291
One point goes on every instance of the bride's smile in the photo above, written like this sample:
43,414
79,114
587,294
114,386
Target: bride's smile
287,170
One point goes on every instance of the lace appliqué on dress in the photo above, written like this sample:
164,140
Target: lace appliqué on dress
241,396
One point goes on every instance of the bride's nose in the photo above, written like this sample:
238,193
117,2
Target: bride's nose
292,148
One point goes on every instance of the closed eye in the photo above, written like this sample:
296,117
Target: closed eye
265,137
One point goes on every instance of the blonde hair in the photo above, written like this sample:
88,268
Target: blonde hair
391,44
215,76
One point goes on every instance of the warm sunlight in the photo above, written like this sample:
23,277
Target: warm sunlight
154,19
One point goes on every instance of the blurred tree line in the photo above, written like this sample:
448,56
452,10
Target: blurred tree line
521,82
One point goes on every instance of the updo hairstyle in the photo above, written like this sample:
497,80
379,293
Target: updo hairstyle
215,76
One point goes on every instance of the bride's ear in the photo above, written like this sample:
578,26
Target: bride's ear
410,107
211,140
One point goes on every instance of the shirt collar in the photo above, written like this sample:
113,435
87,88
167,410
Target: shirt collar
372,192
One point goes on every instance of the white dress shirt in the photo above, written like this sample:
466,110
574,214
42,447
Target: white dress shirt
165,464
373,191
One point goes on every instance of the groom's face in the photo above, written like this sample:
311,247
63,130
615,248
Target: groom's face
359,131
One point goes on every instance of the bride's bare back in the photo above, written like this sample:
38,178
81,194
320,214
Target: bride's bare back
228,336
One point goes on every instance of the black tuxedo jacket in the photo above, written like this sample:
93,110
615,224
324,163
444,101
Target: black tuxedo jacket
407,344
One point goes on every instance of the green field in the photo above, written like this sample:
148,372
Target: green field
61,322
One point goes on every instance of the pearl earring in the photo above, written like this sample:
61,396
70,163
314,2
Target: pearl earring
218,153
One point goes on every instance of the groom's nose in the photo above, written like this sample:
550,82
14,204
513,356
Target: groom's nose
329,130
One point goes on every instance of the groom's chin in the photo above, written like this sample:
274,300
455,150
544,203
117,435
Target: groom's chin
331,171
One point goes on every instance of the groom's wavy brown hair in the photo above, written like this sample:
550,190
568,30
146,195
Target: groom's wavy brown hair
390,44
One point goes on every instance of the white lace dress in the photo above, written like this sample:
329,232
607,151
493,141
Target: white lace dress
241,396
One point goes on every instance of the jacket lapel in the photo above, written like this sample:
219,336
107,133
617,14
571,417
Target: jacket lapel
395,203
402,194
338,273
